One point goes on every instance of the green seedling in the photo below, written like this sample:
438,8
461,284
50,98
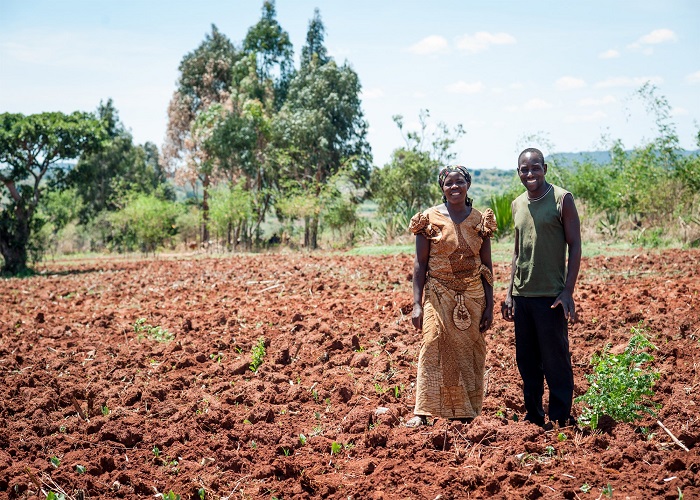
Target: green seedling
201,493
302,439
561,437
55,496
608,491
156,452
258,354
619,385
105,410
55,461
285,451
336,448
254,445
585,487
171,496
156,333
80,469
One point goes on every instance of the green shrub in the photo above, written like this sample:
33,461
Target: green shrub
619,386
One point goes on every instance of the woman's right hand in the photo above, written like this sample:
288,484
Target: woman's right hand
417,316
508,309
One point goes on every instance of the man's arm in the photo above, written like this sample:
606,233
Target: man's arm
507,307
572,234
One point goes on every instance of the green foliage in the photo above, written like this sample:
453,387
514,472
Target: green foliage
51,495
146,223
620,386
157,333
258,354
502,209
336,448
80,469
55,461
30,148
171,496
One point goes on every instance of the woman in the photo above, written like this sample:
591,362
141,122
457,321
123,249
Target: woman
453,266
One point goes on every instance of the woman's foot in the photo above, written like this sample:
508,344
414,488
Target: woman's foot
417,421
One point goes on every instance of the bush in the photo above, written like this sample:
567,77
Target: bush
620,387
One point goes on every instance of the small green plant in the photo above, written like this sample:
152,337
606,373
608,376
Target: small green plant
216,356
105,410
336,447
608,491
619,386
561,437
302,439
80,469
156,333
286,451
55,461
254,445
156,452
62,429
398,390
246,421
258,354
171,496
549,451
55,496
585,487
201,493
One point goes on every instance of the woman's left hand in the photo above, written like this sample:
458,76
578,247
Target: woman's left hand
486,319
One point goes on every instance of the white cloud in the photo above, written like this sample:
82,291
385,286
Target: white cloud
679,111
374,93
590,117
432,44
516,86
463,87
653,38
609,54
608,99
568,83
536,103
693,77
482,40
626,81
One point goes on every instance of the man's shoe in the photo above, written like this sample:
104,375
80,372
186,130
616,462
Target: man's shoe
567,422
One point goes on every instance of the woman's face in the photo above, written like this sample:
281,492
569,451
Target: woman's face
455,188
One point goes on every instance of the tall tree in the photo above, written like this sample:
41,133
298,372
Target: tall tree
205,79
29,147
103,178
321,127
273,50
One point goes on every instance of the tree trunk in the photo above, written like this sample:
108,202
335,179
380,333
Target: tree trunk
14,236
205,210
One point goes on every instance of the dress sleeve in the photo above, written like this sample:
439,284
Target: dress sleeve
419,224
487,225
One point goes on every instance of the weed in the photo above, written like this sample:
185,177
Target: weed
171,496
62,429
254,445
608,491
55,461
561,437
379,389
317,431
216,357
105,410
246,421
585,487
80,469
201,493
549,451
619,386
398,390
302,439
156,333
156,451
285,451
55,496
258,354
336,447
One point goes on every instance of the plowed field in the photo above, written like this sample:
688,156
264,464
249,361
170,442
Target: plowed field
125,379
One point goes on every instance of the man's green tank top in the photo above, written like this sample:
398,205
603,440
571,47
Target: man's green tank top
540,269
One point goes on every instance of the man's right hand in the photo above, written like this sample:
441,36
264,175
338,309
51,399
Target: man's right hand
508,309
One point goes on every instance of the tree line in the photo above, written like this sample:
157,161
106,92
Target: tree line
252,138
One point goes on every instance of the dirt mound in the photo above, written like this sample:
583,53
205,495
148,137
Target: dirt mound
125,379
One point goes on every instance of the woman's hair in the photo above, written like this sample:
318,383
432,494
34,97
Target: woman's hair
455,168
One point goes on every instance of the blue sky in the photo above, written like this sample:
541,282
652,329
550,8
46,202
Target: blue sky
555,74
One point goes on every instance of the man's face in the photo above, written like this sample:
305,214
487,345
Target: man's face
531,171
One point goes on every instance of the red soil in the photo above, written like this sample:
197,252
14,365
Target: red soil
339,368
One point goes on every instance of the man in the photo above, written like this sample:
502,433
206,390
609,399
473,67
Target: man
540,294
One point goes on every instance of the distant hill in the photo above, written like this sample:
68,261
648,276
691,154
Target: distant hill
600,157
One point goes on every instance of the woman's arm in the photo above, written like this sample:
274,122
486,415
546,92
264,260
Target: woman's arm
487,317
420,269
